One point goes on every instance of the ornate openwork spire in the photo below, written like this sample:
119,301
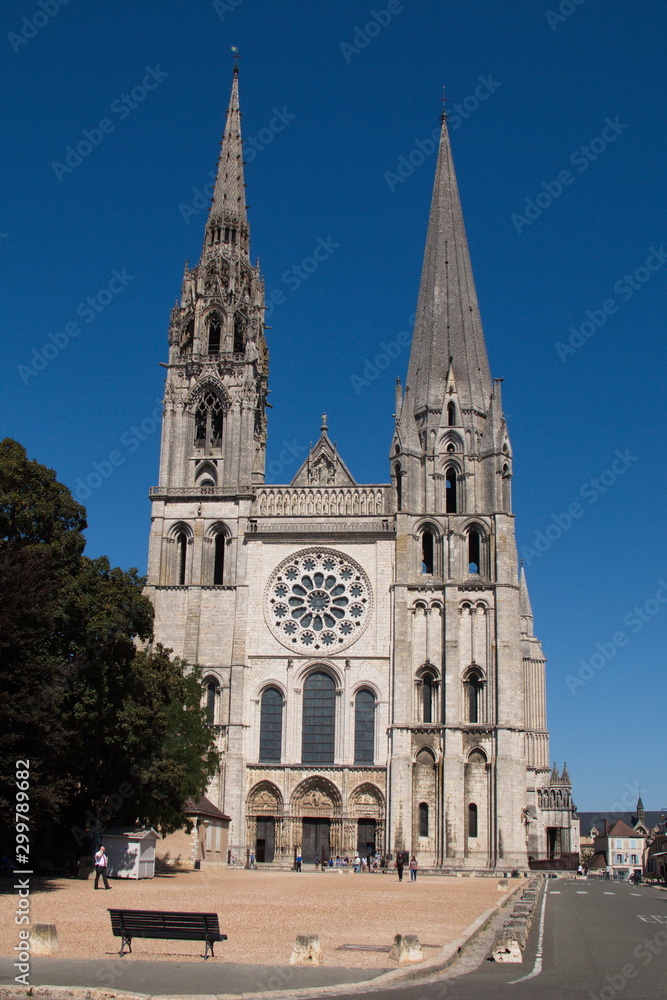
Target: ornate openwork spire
227,224
447,324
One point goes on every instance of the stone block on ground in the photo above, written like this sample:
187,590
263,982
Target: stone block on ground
503,885
506,948
307,950
519,929
406,948
43,939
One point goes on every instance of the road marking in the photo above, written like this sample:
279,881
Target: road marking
537,968
555,892
635,893
584,892
608,893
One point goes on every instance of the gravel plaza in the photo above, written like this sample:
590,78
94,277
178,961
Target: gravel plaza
262,912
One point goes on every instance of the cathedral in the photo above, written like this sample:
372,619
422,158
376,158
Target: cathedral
367,651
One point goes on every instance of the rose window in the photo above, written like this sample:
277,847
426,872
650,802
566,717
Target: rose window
318,599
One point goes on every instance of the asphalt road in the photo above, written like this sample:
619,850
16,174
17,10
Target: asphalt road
601,940
594,940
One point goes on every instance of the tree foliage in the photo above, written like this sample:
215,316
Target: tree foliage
112,727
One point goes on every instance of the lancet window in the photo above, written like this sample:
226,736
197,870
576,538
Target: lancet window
271,725
208,423
364,727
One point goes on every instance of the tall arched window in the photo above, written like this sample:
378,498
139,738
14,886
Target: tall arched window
399,486
474,687
423,819
219,559
451,505
181,556
507,479
364,727
427,551
208,422
472,820
214,335
211,691
239,331
271,725
428,692
474,551
319,719
451,415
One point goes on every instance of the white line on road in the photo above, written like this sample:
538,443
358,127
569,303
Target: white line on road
537,968
608,893
555,892
635,893
583,892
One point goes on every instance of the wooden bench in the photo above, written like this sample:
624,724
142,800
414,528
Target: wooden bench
128,924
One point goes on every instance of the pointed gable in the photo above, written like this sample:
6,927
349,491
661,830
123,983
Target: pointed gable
324,466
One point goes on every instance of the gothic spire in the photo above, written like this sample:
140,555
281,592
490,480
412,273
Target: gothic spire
447,324
227,221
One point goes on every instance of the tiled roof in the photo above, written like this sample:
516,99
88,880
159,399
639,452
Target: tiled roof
205,808
652,818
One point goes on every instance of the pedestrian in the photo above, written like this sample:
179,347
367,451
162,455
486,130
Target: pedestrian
252,860
101,864
413,868
357,863
400,865
298,862
317,860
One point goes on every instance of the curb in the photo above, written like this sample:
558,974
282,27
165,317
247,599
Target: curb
446,958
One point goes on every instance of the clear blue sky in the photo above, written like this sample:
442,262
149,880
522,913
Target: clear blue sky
353,103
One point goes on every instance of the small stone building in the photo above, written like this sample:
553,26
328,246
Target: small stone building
204,844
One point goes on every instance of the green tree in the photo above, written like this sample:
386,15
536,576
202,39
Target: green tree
113,728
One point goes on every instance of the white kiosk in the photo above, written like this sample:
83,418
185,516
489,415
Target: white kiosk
131,851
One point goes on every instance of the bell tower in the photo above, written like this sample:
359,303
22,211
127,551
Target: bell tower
214,431
469,743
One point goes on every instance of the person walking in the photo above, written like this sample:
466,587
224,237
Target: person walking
298,862
101,864
400,865
413,868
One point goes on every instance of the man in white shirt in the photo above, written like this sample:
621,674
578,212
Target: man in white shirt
101,862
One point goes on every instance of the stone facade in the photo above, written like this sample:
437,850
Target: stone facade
368,650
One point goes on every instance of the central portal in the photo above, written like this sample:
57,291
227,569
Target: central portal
316,839
366,835
266,839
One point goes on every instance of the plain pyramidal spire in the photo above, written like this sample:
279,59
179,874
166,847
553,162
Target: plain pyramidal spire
447,324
